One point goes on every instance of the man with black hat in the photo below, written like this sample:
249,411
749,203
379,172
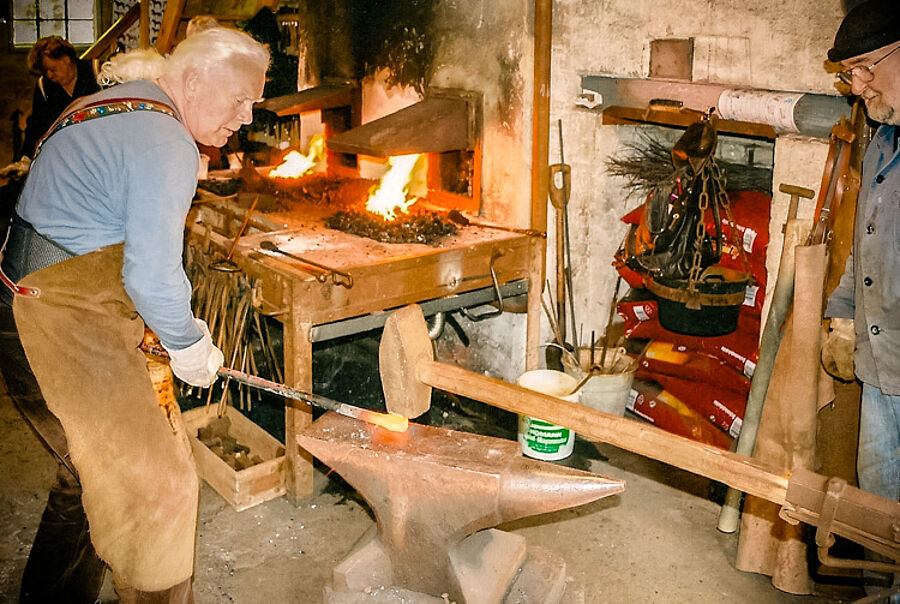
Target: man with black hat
865,307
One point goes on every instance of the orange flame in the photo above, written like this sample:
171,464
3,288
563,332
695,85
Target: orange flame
388,421
391,196
296,164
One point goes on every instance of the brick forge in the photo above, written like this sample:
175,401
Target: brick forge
436,494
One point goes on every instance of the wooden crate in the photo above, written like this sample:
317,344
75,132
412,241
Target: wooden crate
241,488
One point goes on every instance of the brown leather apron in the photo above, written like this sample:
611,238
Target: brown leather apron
140,488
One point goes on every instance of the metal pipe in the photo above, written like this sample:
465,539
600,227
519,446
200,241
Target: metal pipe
813,114
436,325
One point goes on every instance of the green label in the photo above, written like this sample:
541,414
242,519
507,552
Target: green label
544,437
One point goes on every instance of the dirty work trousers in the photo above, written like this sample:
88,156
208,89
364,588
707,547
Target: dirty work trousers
139,485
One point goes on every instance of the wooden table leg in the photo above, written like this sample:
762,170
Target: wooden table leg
533,321
297,374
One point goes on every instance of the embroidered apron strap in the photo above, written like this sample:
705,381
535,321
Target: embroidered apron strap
95,109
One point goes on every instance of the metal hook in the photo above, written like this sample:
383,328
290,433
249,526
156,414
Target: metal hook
491,313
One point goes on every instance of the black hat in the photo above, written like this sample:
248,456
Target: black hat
871,25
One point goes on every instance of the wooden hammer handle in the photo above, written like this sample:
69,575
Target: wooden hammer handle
738,471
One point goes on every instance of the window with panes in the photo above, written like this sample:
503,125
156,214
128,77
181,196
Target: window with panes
71,19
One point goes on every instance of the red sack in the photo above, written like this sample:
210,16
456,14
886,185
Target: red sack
750,210
649,401
723,408
739,349
670,359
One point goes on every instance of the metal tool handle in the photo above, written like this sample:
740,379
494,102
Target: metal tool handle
341,278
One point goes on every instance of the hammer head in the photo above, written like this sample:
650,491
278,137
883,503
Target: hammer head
405,345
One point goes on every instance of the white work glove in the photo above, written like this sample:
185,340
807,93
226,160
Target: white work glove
198,363
838,348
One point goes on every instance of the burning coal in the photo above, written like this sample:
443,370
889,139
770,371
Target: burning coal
414,227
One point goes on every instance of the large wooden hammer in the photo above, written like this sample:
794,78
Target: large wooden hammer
409,371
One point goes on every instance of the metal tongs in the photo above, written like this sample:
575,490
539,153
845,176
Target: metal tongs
337,277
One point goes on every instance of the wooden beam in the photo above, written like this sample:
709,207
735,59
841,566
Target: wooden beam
168,28
101,47
737,471
682,119
145,24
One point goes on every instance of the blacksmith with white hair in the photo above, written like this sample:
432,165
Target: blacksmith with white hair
93,255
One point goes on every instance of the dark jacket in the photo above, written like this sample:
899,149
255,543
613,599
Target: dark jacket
869,291
50,99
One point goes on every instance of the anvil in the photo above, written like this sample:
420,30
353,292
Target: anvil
430,488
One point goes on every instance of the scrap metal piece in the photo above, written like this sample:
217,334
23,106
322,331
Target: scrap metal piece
430,488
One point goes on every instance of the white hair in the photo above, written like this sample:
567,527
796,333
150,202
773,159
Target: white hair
204,51
131,65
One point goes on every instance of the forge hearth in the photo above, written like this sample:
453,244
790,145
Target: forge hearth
465,269
433,492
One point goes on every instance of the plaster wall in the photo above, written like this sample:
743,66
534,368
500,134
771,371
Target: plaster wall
767,44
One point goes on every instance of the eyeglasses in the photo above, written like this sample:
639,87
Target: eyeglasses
863,72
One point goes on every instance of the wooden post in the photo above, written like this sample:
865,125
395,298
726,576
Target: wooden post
145,24
297,374
165,40
540,123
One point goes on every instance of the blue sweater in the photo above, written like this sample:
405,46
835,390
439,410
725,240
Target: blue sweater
124,178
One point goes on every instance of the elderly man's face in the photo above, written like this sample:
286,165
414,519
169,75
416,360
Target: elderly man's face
880,87
220,103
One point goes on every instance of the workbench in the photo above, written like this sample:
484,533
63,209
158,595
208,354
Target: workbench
385,276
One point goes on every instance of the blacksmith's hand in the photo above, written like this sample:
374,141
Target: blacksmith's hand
837,350
198,363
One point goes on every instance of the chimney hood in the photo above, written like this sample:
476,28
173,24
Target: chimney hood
330,95
445,120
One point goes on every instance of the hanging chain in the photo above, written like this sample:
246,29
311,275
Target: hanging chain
722,197
700,234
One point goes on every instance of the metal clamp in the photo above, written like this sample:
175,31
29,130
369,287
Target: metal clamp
491,313
825,539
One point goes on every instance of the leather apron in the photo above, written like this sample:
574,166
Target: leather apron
81,335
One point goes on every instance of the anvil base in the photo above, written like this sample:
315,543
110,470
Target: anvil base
491,566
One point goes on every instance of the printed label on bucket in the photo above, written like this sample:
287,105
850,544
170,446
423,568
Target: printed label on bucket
543,440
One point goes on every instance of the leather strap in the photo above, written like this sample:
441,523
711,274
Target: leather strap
16,289
103,108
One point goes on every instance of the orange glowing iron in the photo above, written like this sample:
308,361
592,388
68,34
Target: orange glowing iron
389,421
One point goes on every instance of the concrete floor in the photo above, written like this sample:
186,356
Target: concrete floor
656,542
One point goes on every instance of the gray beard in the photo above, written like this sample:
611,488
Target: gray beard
883,113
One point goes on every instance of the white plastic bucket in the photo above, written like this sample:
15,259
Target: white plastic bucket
607,392
540,439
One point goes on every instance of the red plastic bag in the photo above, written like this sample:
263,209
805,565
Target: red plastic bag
739,349
651,402
675,360
723,408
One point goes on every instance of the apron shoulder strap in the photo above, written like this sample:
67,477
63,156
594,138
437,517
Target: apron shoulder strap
83,113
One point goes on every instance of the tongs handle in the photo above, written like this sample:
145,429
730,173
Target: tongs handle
337,277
